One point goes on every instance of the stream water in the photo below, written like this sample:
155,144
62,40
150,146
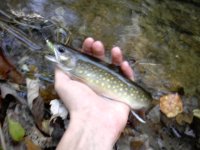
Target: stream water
162,36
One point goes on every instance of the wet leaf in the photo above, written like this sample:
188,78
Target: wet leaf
58,109
30,145
128,132
8,71
35,101
171,105
184,118
38,110
48,93
4,65
16,130
196,113
137,145
6,89
16,77
46,127
33,90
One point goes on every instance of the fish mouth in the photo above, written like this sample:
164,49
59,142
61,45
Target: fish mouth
53,49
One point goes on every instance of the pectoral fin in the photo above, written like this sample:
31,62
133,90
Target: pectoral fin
138,117
134,113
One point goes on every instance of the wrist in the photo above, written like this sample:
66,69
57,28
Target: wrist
96,129
100,131
87,134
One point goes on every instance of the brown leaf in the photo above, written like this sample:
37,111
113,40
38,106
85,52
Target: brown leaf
8,71
184,118
33,86
16,77
48,93
30,145
137,145
5,67
38,111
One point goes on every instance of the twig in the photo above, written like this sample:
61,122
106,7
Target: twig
3,144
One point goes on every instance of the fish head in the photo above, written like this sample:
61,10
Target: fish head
63,57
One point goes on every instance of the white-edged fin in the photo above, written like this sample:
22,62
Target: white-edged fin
51,58
134,114
138,117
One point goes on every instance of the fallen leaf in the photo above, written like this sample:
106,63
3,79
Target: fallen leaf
140,142
171,105
137,145
38,111
35,101
5,66
33,90
196,113
15,76
184,118
16,130
8,71
7,89
48,93
46,127
128,132
58,109
30,145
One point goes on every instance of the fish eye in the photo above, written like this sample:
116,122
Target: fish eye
61,49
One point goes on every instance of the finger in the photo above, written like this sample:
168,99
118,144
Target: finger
117,57
127,70
87,45
98,50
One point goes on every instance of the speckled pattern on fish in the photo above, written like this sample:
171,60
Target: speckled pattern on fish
97,75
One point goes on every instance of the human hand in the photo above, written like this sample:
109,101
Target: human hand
88,110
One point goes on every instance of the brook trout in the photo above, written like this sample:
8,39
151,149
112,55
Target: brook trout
99,76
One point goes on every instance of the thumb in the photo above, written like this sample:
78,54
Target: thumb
60,77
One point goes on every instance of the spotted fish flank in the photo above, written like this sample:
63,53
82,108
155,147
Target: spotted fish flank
99,76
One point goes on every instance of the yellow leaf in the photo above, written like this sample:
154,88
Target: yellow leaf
171,105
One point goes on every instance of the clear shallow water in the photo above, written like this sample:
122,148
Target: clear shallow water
162,36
